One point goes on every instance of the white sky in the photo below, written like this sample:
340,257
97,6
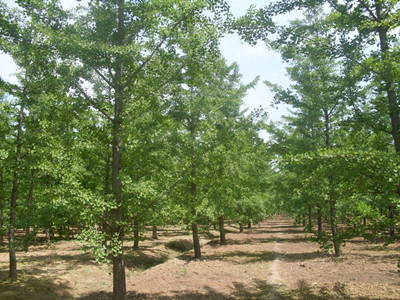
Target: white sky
253,61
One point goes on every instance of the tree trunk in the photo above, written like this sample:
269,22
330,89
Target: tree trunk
48,239
154,230
309,225
196,241
388,78
304,221
107,192
136,234
222,230
240,227
2,197
365,221
249,225
14,196
27,239
195,229
391,217
319,218
51,231
334,229
119,279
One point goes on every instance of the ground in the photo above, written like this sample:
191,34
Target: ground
273,260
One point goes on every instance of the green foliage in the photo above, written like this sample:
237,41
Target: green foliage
94,242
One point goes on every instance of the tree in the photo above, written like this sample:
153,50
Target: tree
114,57
364,34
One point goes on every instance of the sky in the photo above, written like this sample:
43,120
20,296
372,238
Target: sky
253,61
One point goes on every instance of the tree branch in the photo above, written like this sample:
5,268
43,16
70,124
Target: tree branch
94,104
371,13
147,60
103,77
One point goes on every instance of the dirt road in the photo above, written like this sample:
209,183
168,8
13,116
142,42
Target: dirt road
274,260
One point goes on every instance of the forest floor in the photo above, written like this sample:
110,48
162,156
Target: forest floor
273,260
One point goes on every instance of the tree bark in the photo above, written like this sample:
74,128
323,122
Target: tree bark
28,228
14,196
2,198
319,219
309,225
196,241
48,239
249,225
195,229
334,229
222,230
119,278
136,234
391,217
154,231
388,79
107,192
240,227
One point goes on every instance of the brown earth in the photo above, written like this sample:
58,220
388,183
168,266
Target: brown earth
273,260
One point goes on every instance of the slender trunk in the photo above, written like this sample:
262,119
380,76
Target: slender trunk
119,279
14,196
309,225
28,228
334,228
193,186
240,227
107,192
391,217
2,197
136,234
195,229
327,128
249,225
196,241
304,221
154,230
388,79
222,230
1,225
365,221
48,239
319,218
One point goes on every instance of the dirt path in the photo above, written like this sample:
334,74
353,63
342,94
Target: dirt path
275,279
273,260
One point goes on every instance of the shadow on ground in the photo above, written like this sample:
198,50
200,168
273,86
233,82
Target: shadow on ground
261,256
28,287
259,290
141,260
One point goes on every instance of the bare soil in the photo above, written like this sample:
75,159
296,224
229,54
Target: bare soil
273,260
